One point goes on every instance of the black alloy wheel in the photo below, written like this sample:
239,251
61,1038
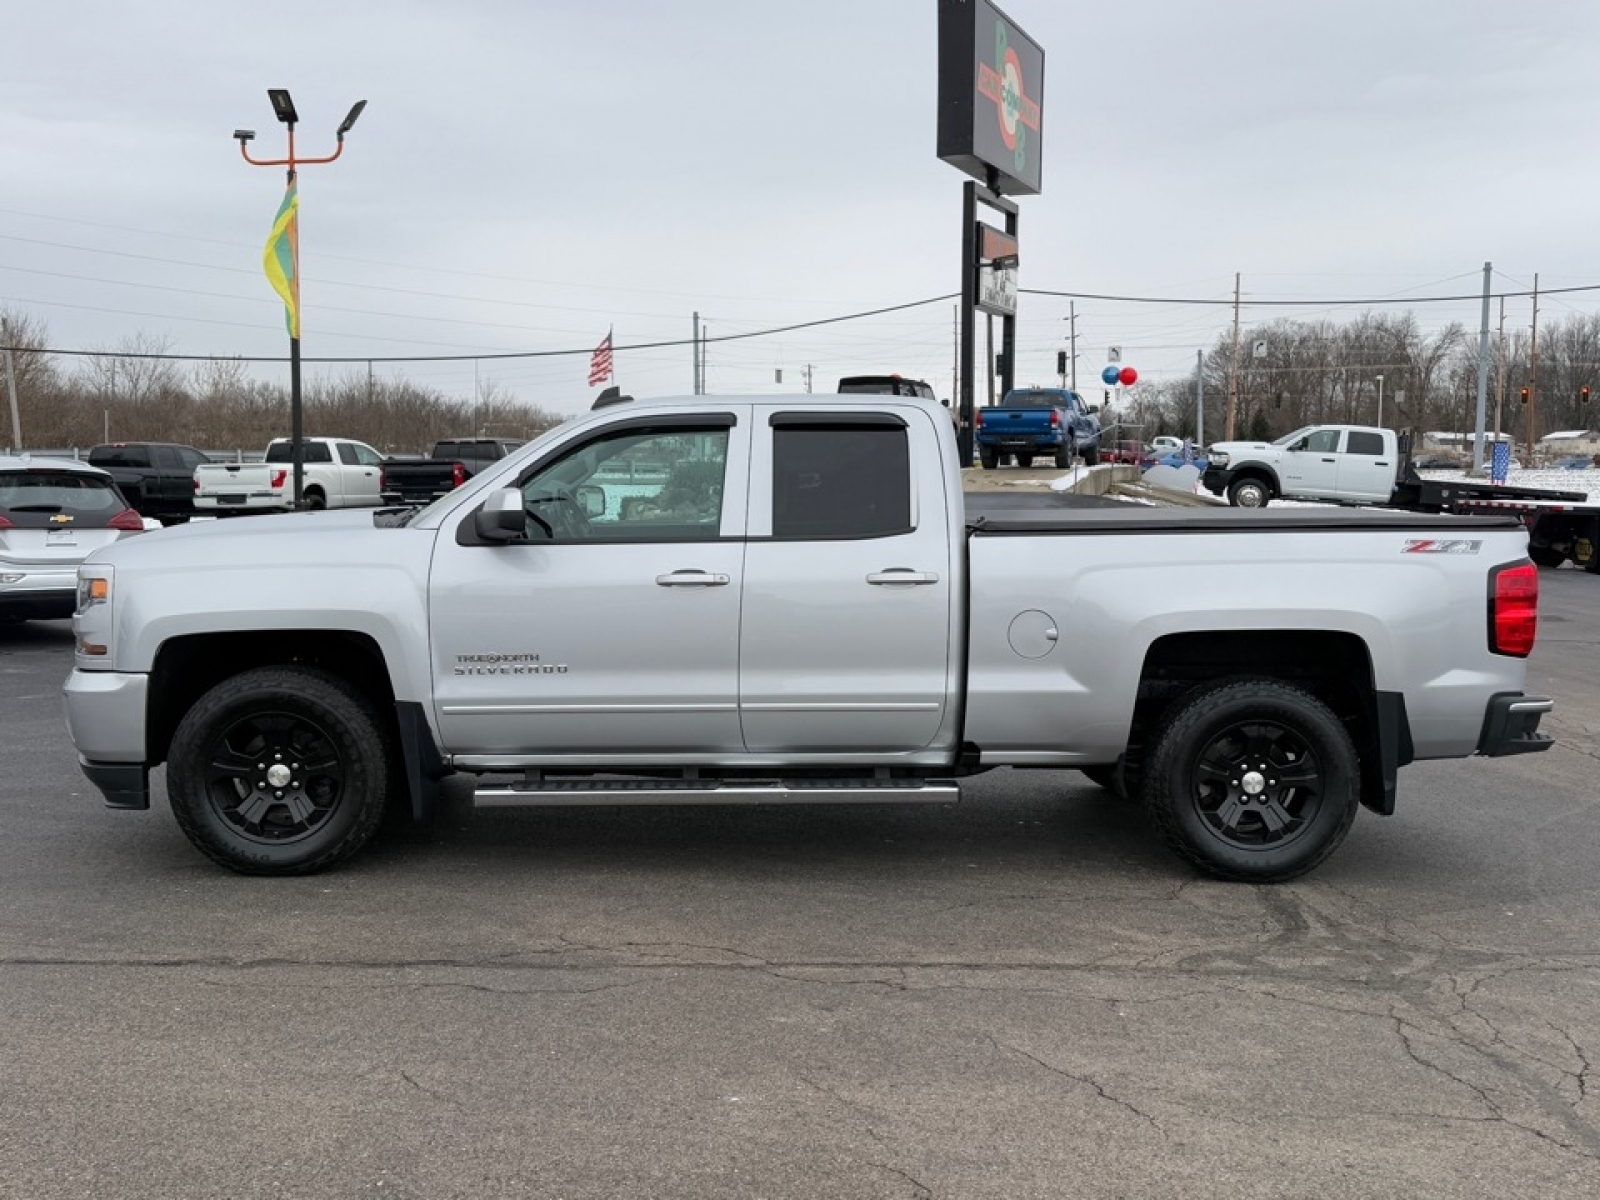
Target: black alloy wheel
279,771
1253,780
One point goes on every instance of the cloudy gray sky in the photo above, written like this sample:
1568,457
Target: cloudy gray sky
528,174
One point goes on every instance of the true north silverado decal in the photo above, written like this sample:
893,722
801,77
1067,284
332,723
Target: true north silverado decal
506,664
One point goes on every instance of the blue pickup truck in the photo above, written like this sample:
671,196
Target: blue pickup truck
1031,422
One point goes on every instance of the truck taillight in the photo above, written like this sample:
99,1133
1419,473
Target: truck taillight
278,478
977,417
383,478
1513,609
1055,419
458,474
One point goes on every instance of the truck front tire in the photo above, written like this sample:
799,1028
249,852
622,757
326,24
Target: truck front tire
1091,455
1249,493
280,771
1252,780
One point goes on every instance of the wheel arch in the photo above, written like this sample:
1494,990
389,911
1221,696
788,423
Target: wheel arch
1336,667
1257,471
187,667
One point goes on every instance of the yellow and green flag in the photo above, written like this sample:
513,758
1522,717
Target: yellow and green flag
282,259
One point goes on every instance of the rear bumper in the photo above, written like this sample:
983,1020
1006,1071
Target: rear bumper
235,502
1511,725
1022,441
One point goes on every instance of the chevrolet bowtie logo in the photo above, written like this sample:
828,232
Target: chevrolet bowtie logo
61,519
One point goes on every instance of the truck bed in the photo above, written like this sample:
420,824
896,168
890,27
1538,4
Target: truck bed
989,516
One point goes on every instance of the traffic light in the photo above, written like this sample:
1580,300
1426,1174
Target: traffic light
1061,367
1583,394
1526,392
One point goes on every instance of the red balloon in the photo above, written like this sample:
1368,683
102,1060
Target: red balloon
1127,377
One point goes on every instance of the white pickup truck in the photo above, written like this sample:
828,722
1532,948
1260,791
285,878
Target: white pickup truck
337,473
753,600
1348,463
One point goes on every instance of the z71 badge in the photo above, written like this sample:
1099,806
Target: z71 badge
1445,546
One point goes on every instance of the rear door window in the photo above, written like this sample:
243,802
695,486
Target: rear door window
840,481
1364,443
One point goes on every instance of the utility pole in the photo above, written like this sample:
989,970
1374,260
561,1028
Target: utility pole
697,390
988,368
11,391
704,338
1500,373
955,361
1483,373
1233,366
1199,399
808,379
1533,370
1072,357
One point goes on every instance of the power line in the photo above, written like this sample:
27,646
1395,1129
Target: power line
487,355
1371,302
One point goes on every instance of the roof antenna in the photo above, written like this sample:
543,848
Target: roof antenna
612,395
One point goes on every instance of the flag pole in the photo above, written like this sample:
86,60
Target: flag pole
289,288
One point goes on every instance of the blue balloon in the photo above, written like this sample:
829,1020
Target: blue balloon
1110,374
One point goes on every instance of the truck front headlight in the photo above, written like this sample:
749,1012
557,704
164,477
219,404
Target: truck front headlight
91,623
1218,458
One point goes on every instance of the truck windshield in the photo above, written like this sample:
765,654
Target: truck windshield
1290,438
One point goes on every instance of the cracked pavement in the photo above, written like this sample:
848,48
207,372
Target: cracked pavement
1022,995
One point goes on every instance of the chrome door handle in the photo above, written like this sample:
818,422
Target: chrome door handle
703,579
902,577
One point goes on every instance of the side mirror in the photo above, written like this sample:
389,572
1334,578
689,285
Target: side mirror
591,498
1094,409
1300,445
501,519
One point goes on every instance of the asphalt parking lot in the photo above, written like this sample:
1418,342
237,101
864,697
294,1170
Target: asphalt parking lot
1021,995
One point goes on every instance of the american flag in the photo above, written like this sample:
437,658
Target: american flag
600,364
1500,462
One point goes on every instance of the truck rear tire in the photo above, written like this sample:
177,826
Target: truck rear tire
1252,780
315,500
1064,457
1546,556
1249,493
989,457
1091,456
280,771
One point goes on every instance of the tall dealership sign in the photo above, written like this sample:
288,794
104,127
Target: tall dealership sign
991,125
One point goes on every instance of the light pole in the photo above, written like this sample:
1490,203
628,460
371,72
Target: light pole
1380,400
282,257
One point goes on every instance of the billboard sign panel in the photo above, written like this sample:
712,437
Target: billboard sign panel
997,271
991,96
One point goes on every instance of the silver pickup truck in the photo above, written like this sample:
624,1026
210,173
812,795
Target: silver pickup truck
787,599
